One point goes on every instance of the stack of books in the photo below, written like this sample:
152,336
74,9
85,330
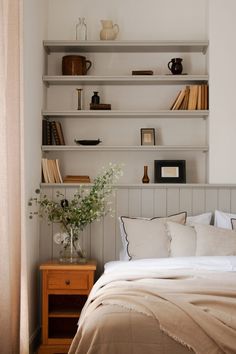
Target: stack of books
52,133
51,171
194,97
76,179
102,106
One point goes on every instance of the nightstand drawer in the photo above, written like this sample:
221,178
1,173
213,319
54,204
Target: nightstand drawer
68,280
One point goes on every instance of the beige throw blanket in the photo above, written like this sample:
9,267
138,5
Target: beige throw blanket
196,308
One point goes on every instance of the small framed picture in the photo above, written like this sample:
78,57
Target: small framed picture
147,136
170,171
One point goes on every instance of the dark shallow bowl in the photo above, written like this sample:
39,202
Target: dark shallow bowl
88,142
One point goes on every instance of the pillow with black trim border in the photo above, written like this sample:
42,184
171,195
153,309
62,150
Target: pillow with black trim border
146,238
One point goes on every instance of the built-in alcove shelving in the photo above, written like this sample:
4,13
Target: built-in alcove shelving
103,79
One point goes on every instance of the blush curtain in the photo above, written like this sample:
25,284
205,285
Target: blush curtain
13,275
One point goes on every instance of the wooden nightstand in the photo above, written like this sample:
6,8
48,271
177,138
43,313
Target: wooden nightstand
65,288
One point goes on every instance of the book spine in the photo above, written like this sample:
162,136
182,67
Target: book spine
44,170
193,95
58,171
55,133
206,97
60,133
46,132
50,171
199,98
49,133
179,100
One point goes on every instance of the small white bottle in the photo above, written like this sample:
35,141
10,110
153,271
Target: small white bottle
81,30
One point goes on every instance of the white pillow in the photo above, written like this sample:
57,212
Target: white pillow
223,219
182,239
199,219
214,241
146,238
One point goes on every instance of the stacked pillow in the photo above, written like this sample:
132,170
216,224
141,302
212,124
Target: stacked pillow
182,240
177,236
146,238
200,240
224,220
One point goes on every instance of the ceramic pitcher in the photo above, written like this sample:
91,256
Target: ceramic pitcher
175,66
109,31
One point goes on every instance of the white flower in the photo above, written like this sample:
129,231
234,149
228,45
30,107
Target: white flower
59,238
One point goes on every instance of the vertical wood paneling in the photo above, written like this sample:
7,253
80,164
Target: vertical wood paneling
211,199
97,243
233,201
134,202
122,208
198,203
173,201
185,200
147,200
110,234
160,202
86,237
224,199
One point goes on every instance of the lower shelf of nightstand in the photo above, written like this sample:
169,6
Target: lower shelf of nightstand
61,329
54,349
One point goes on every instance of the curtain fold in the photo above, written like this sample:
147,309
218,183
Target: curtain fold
13,276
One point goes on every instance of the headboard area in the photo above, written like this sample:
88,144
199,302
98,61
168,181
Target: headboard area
102,241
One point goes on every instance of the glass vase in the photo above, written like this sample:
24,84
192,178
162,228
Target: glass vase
145,178
71,250
81,30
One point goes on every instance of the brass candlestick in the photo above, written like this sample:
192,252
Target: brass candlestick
79,99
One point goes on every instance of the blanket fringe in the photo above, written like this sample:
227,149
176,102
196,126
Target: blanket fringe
126,307
176,338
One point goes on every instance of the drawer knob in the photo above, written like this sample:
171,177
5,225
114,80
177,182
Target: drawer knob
67,282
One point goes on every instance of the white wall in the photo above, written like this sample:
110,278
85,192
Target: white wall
34,27
222,29
150,19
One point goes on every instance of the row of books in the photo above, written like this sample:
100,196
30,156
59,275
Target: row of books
52,133
51,171
194,97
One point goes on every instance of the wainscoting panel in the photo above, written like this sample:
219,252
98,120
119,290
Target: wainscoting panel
101,240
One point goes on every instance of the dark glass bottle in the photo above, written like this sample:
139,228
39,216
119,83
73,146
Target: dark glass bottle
145,178
95,98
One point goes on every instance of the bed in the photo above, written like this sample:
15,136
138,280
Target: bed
176,304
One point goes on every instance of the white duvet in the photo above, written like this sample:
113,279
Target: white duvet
221,263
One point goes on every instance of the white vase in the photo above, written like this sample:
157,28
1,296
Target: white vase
109,31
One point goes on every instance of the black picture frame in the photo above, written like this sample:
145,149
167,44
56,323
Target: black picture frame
147,136
170,171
